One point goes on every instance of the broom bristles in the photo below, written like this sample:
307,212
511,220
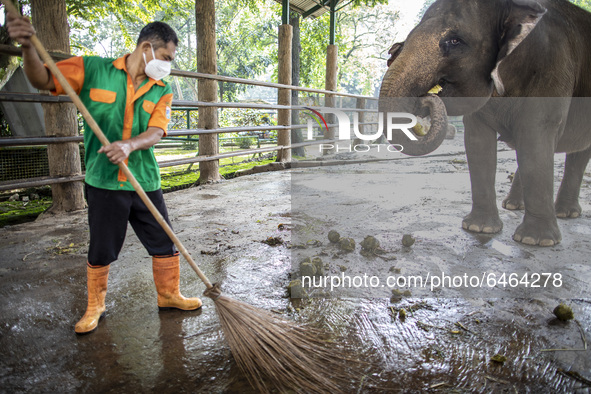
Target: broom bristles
276,353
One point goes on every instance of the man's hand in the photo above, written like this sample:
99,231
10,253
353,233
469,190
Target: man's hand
20,29
118,151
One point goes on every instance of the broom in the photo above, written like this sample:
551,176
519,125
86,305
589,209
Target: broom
270,351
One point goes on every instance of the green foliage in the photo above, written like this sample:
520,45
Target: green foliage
246,42
15,212
184,119
314,40
181,180
133,11
368,3
4,128
361,40
244,142
117,21
586,4
190,144
228,171
240,117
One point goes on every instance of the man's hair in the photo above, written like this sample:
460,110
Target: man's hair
159,34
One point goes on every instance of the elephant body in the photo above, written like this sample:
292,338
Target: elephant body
520,71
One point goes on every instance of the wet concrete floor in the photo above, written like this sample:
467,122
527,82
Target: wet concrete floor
445,343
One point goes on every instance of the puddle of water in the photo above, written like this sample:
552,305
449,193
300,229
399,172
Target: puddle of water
507,250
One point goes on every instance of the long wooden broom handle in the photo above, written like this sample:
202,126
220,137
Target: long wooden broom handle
104,141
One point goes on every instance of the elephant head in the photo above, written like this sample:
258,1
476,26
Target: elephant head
459,47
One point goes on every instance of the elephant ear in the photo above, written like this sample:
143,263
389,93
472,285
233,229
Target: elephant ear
394,52
522,19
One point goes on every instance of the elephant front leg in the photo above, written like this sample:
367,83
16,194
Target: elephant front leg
567,202
481,151
535,157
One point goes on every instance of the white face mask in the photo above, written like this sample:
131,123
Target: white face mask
156,68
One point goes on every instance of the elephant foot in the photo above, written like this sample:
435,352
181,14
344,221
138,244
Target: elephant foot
513,204
482,223
568,210
542,233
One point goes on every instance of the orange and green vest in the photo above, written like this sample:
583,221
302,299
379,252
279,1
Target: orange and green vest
106,89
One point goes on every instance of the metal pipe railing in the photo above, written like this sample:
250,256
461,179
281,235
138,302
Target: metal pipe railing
45,98
40,141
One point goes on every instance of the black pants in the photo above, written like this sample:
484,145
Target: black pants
108,214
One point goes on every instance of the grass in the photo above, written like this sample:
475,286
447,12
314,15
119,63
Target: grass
181,180
14,212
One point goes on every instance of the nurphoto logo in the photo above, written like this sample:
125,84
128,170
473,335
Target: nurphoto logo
394,121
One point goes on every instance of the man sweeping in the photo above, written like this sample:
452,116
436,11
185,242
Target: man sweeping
131,104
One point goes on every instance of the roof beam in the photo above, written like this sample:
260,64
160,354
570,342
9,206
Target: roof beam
312,10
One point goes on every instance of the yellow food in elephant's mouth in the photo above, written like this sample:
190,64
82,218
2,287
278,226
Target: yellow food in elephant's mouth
435,89
424,124
422,127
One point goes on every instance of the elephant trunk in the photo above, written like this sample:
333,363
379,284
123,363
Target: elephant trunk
411,75
429,105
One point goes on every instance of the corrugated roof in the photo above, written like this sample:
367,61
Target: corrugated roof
304,6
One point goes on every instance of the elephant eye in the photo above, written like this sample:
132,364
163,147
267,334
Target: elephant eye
451,42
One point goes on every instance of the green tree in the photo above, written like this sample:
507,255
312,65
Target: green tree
586,4
246,42
361,38
364,46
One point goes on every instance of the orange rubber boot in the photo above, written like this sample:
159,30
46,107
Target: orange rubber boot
97,290
167,278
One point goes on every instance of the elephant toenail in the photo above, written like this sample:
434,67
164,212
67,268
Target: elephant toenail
474,227
529,241
517,237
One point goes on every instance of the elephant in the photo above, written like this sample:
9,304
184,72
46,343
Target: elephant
519,70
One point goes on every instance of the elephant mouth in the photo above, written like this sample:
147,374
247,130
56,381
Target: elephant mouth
438,88
430,129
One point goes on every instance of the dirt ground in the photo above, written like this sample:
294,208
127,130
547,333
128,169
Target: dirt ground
445,343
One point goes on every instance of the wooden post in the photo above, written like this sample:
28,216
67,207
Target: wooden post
207,88
331,84
50,20
360,105
284,95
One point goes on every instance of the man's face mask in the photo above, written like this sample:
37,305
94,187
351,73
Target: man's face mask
156,68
